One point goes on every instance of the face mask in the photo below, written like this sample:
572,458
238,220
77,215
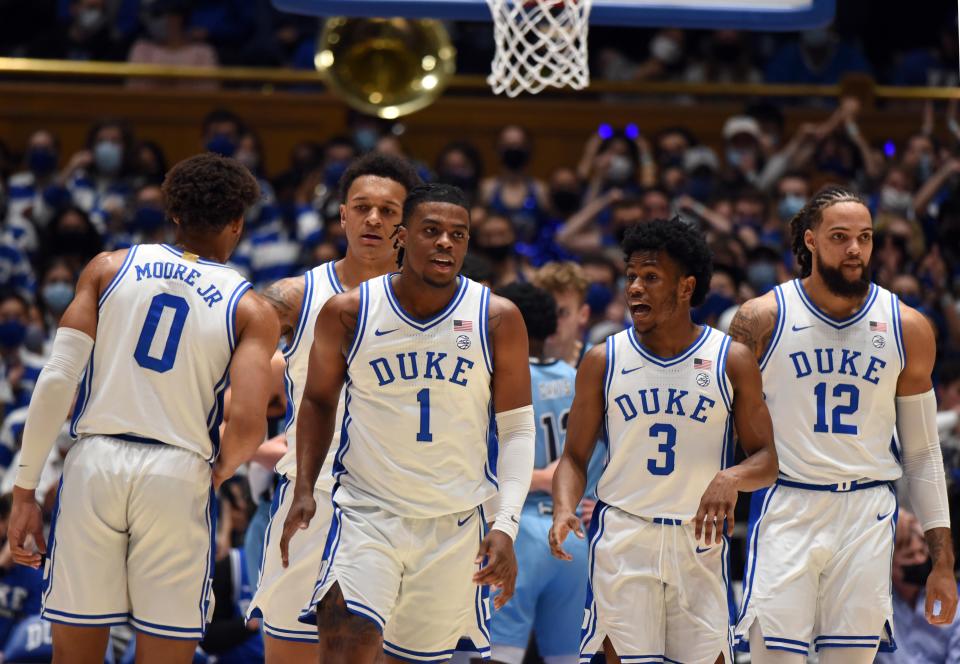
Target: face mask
248,159
565,201
700,187
333,172
895,200
498,253
41,161
790,205
515,158
621,168
148,218
89,18
366,139
108,157
665,50
57,296
222,145
12,333
713,306
916,575
762,276
599,297
735,157
465,182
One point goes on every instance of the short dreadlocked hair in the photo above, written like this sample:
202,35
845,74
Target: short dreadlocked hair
810,216
682,242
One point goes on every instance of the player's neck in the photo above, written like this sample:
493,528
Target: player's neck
420,299
670,338
203,247
836,306
538,350
353,271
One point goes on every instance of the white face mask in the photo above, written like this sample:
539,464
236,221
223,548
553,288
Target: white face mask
665,50
89,18
621,168
896,201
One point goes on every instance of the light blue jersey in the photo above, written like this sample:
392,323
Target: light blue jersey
552,384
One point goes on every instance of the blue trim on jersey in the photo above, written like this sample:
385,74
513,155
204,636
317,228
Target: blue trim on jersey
124,267
664,521
482,596
130,438
484,329
722,382
422,325
202,261
440,655
786,645
668,361
196,636
289,413
305,303
274,508
898,330
827,641
305,636
608,370
338,467
90,616
361,321
778,327
837,323
52,547
725,575
597,526
752,542
841,487
493,449
331,545
364,610
232,304
168,628
83,398
334,278
81,621
215,416
207,589
727,452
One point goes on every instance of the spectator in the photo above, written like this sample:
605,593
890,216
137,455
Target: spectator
514,193
149,164
34,192
726,58
918,642
460,164
820,57
743,158
568,285
934,66
57,287
98,177
225,24
71,236
494,239
167,43
19,367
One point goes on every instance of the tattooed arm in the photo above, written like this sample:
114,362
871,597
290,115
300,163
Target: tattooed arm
754,323
326,372
286,297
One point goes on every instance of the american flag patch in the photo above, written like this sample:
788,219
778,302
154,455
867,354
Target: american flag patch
462,325
877,327
702,364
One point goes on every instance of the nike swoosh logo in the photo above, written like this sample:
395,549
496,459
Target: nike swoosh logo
797,329
626,371
701,549
881,517
460,522
380,333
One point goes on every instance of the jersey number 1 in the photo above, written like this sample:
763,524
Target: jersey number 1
158,354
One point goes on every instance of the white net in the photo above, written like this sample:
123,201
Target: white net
540,44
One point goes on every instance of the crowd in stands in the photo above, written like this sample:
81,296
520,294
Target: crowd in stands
254,33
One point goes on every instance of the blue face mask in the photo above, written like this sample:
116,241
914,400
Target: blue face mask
790,205
12,333
108,156
148,218
598,297
333,172
222,145
41,161
762,276
57,296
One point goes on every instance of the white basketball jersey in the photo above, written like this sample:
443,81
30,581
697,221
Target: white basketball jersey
668,424
320,284
165,336
418,406
831,387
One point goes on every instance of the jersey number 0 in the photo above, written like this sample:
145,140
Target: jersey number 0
156,353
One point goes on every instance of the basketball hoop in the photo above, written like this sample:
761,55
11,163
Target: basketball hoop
540,44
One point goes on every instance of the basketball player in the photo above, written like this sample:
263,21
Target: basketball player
427,357
160,330
667,394
549,594
372,190
845,366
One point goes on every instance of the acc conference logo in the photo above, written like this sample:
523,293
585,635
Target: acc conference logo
463,342
879,341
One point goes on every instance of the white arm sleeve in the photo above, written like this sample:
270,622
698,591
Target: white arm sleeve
516,431
922,459
51,401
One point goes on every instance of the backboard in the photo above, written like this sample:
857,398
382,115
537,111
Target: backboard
781,15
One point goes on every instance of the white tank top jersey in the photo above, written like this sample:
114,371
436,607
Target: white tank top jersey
165,336
831,387
320,284
418,406
668,425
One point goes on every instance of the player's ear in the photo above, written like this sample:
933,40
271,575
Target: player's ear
343,216
687,286
808,240
402,236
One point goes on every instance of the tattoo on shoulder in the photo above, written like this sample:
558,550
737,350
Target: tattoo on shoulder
753,326
493,322
349,321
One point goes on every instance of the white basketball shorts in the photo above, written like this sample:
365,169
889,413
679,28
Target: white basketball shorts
282,593
132,540
818,567
655,592
413,578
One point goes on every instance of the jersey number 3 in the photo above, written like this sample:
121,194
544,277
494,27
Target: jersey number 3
162,329
669,433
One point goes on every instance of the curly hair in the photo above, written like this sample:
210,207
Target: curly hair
683,243
810,216
206,192
380,165
536,305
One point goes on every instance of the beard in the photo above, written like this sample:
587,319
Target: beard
840,285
